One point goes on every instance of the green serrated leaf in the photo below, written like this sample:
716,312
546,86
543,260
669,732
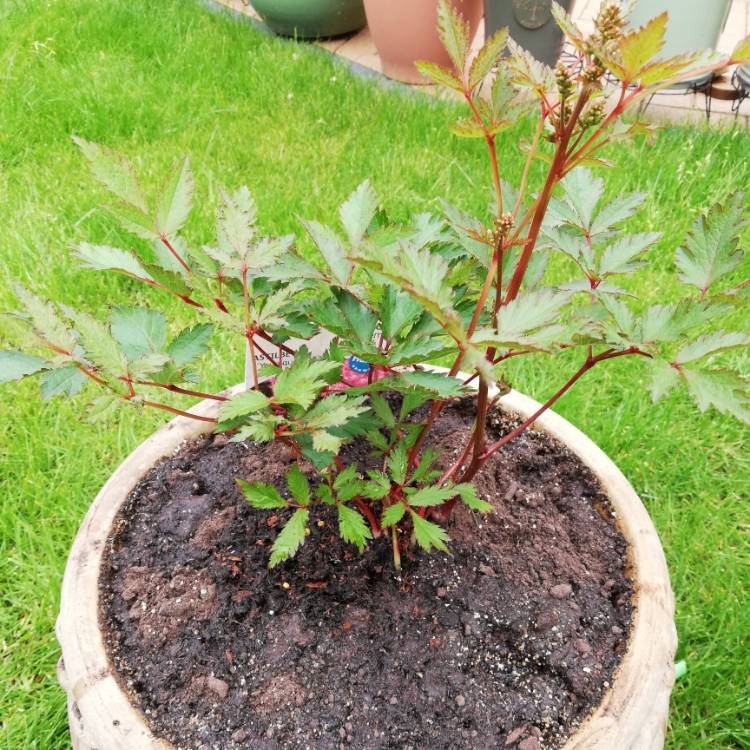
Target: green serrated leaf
361,320
426,460
454,34
428,534
190,343
298,485
63,381
105,258
334,411
397,310
353,527
615,212
242,404
435,382
175,202
712,249
345,477
134,220
396,463
468,494
429,496
114,171
377,487
421,273
138,331
487,57
358,211
439,75
45,320
724,390
467,127
411,401
377,440
290,539
623,255
302,381
712,343
639,46
17,365
382,410
147,365
583,191
97,341
325,442
664,378
332,250
259,428
261,496
235,228
102,408
393,514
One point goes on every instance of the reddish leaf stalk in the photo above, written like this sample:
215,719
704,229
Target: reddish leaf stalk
179,412
366,511
174,252
182,391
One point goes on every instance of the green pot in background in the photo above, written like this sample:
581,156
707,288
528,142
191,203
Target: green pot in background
691,25
311,19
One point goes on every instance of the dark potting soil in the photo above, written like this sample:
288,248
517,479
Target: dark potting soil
506,643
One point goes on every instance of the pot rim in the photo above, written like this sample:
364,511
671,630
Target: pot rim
632,713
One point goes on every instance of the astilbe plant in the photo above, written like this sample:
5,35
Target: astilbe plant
399,296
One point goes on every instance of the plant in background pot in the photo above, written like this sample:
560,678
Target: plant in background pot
344,468
405,32
311,20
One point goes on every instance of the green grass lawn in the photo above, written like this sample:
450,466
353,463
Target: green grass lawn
161,79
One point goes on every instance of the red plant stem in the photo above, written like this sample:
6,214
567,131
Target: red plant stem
490,141
174,252
172,410
582,370
449,473
268,356
248,329
253,363
555,173
527,166
89,374
482,296
264,335
182,391
366,511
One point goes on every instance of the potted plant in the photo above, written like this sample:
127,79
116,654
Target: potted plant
311,20
405,32
350,467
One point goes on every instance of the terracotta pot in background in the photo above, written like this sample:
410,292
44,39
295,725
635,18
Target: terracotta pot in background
405,31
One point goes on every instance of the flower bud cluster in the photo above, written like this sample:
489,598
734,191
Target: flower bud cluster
501,228
565,85
592,116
